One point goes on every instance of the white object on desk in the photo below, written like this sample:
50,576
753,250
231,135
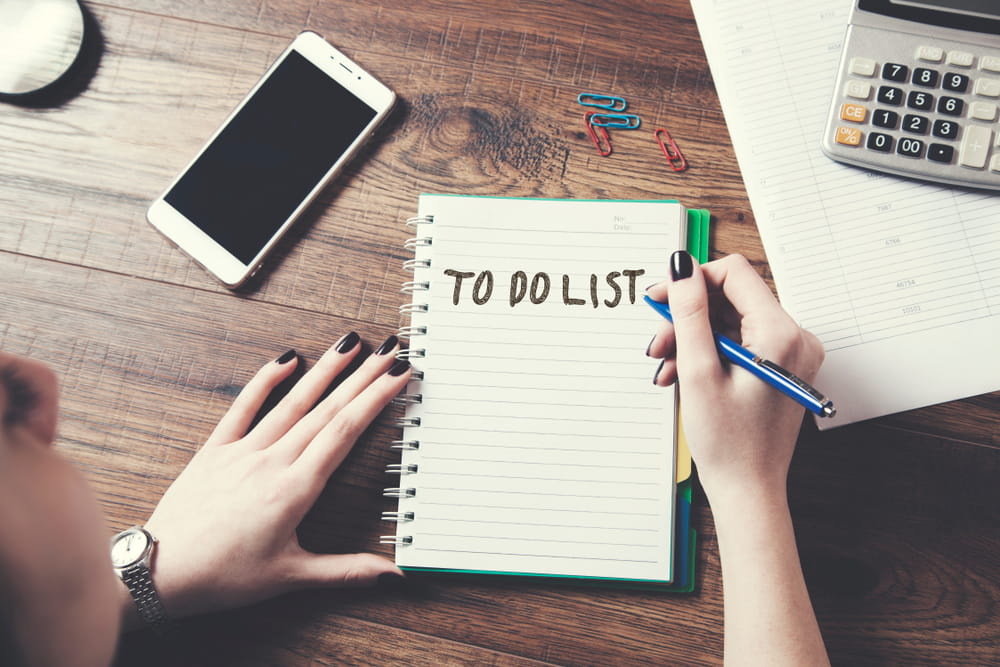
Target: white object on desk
39,41
898,278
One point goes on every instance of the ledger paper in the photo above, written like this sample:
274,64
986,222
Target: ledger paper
899,279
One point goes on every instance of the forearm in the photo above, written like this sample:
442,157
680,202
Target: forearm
769,619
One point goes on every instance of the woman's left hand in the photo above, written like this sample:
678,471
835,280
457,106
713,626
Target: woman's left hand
226,528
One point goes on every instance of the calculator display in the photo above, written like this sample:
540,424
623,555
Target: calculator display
984,8
975,15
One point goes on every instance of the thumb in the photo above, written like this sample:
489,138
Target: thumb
343,570
697,356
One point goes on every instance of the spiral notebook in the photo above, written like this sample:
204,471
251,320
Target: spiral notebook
534,442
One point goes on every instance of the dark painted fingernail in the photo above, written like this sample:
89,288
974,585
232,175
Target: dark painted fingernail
650,345
681,265
347,343
398,367
390,581
658,369
388,346
286,357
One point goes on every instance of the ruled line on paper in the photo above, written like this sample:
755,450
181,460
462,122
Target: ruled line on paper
539,541
538,493
431,457
549,448
588,480
570,511
574,420
551,404
431,517
577,375
506,554
459,385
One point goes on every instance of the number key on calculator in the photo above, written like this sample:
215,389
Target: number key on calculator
918,91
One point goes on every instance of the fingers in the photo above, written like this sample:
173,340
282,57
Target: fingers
696,354
743,287
237,420
302,433
322,456
343,570
303,396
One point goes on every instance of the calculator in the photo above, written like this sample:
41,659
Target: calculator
918,91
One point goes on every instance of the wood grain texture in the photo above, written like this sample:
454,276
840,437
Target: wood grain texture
896,518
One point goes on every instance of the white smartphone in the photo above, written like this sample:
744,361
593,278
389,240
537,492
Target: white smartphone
291,135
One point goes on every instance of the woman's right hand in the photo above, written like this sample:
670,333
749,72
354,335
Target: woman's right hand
741,431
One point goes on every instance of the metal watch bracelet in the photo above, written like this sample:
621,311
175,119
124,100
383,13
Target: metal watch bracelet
147,601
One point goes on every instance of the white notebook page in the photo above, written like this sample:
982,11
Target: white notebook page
544,446
900,279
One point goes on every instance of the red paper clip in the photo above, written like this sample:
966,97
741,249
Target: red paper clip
604,150
670,150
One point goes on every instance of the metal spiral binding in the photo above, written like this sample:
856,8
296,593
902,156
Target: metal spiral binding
417,242
414,264
410,308
420,220
408,332
408,399
399,492
411,286
405,445
401,469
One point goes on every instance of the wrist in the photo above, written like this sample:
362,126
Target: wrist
741,496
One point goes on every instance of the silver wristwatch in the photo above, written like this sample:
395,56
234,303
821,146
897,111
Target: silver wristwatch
131,551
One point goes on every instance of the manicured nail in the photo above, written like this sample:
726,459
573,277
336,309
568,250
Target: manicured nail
347,343
286,357
390,581
681,265
398,367
388,346
650,345
658,369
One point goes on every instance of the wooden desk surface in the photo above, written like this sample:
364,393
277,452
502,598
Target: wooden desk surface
897,519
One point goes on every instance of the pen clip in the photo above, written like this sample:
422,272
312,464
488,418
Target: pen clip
826,403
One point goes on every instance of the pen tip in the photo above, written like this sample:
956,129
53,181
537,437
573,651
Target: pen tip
829,410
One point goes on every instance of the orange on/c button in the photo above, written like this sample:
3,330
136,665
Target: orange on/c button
849,136
853,112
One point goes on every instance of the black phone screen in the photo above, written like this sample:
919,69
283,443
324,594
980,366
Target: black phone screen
270,156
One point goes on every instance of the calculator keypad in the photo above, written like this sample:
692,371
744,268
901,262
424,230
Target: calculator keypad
935,110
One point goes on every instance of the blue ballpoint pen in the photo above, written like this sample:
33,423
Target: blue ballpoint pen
768,371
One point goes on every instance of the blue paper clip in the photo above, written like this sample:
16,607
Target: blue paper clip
622,121
609,102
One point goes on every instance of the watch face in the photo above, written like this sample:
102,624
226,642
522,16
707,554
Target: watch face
129,547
